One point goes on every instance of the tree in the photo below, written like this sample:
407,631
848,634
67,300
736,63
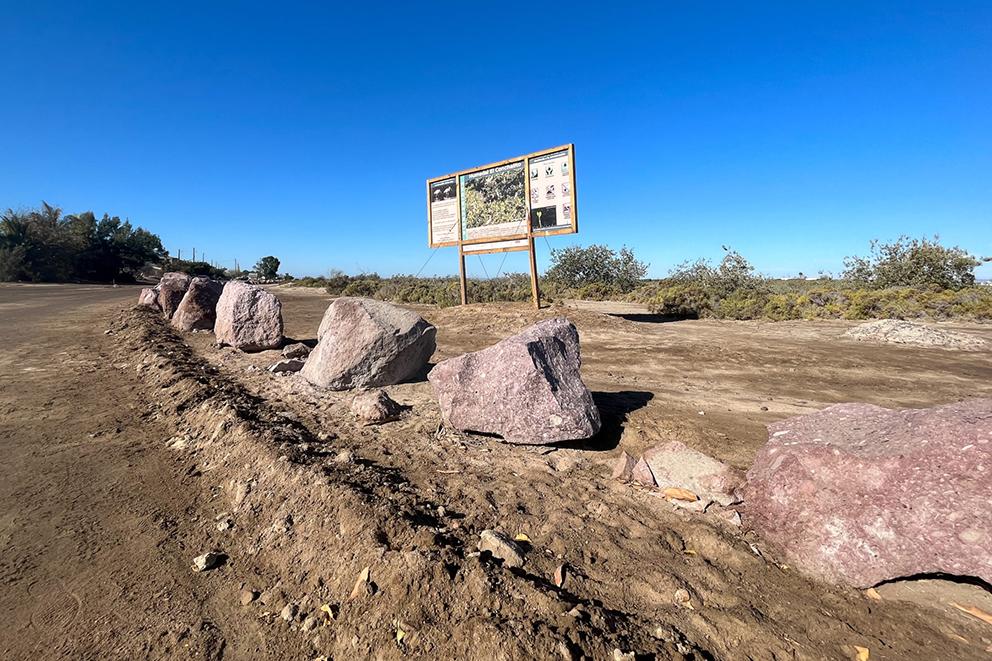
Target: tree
596,265
909,262
42,245
267,268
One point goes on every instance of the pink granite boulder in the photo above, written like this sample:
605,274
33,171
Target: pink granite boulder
149,298
198,308
527,388
859,494
248,318
364,343
171,289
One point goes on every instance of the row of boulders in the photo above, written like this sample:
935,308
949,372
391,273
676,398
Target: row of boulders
240,315
526,388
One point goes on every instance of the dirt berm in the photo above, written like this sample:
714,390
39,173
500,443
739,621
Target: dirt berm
311,508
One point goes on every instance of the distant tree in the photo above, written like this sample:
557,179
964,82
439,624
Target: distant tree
596,265
42,245
909,262
267,268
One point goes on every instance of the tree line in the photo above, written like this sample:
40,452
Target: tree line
44,245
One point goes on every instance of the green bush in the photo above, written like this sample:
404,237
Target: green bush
909,262
597,266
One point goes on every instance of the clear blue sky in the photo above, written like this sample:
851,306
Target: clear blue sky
793,131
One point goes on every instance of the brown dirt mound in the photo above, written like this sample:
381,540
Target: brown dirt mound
273,445
319,521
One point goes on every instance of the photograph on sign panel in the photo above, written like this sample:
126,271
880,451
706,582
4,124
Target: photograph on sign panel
494,202
444,212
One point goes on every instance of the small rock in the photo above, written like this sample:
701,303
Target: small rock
676,465
344,457
374,407
208,561
295,350
289,612
309,624
620,655
225,524
288,365
248,596
502,547
642,474
623,469
682,598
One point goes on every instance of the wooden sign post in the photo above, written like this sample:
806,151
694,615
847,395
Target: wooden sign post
501,207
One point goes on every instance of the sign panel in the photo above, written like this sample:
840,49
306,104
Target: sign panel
551,199
493,202
515,198
443,212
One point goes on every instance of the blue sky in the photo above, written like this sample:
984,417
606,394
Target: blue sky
794,132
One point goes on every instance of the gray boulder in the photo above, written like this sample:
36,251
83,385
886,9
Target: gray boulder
171,289
248,318
527,388
364,343
198,308
859,494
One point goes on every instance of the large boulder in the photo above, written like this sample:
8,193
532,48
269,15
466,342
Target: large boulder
248,318
859,494
149,297
526,388
198,309
171,289
364,343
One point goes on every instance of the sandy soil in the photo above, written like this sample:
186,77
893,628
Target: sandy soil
97,533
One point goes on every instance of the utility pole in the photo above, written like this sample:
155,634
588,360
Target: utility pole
180,258
194,254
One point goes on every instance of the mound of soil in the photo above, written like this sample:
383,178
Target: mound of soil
316,498
896,331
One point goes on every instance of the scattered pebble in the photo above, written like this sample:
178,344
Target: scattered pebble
248,596
208,561
289,612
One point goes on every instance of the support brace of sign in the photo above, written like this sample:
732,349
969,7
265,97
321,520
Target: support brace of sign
501,207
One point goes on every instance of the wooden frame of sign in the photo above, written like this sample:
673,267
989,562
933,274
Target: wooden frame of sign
444,196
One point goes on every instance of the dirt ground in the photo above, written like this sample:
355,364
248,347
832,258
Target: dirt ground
120,452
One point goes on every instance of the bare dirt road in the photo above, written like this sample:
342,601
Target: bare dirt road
98,520
118,453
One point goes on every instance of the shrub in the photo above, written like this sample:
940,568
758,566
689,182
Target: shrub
909,262
577,267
